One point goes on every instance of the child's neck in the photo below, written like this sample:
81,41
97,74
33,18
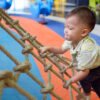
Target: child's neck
75,43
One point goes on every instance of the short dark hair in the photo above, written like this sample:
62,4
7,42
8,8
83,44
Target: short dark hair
86,15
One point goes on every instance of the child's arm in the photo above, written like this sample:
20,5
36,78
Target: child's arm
79,76
65,46
53,50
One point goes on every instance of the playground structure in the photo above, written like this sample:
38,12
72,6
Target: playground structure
36,7
41,8
30,44
5,4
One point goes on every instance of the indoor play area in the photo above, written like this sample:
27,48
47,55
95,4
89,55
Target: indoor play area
25,27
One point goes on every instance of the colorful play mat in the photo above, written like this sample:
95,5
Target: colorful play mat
50,34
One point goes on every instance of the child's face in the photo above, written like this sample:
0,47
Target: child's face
74,29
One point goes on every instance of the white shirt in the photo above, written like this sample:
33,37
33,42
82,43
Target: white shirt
86,55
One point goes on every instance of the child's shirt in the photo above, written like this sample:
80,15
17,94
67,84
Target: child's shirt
86,55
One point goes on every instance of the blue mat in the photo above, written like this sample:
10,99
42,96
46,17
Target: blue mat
24,81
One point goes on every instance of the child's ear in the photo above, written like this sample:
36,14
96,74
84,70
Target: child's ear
85,32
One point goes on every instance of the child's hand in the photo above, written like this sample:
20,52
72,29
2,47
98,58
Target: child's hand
43,49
